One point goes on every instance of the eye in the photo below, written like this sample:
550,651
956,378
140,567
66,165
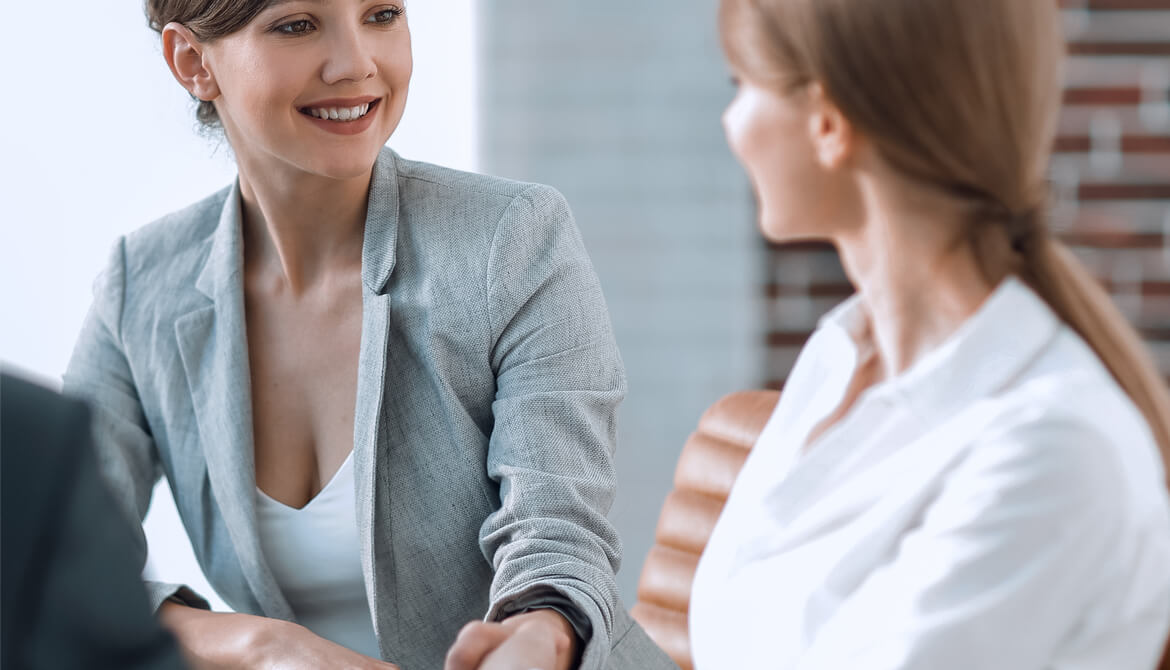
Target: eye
385,16
298,27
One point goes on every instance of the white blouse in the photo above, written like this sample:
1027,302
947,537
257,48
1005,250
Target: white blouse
1001,504
314,554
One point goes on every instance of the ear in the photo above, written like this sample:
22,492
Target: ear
184,54
831,133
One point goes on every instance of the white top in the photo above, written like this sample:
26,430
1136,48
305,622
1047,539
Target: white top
314,554
999,505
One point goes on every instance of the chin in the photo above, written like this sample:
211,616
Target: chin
344,164
778,228
775,234
774,227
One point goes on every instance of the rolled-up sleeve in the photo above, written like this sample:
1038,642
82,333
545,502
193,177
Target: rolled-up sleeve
559,383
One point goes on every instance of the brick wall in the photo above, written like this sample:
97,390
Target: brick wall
1110,171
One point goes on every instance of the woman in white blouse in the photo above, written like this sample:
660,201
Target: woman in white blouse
964,469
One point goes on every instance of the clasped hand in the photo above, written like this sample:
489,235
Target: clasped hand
536,640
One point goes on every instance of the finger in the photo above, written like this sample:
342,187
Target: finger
474,642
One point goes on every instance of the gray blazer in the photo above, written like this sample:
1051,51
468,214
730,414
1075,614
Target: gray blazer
484,427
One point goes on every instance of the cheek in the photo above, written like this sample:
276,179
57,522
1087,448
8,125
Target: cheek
395,67
256,83
762,142
396,64
399,64
403,56
777,155
276,79
760,138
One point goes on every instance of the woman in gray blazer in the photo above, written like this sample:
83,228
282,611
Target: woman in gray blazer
443,332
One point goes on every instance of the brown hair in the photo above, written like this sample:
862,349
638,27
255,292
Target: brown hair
208,20
961,96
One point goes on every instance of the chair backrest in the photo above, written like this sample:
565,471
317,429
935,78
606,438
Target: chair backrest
707,468
1165,664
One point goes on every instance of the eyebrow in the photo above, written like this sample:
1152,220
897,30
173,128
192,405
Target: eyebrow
277,3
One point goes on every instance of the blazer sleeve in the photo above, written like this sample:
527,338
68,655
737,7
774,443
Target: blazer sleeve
100,373
559,381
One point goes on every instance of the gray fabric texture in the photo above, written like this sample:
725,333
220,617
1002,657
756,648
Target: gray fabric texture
484,432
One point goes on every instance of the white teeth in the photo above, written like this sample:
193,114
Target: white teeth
340,113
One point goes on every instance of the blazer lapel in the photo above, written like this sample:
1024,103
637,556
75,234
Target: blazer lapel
213,347
378,256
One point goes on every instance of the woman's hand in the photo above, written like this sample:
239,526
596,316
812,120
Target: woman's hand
220,641
537,640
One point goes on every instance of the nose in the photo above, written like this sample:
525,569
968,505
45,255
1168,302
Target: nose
727,120
733,120
349,58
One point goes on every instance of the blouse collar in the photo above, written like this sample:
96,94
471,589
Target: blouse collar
984,355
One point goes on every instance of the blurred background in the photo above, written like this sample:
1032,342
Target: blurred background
616,104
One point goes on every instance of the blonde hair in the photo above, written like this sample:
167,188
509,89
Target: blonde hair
964,97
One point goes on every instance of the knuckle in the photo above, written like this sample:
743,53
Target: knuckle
471,630
458,657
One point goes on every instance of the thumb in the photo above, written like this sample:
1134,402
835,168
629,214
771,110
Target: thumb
475,641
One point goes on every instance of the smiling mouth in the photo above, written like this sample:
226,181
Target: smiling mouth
340,114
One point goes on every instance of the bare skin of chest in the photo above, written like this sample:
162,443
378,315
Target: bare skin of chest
303,357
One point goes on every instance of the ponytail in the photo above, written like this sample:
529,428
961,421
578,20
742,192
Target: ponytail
1051,270
1081,302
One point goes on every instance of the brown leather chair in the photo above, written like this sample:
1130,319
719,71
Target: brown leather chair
707,468
709,464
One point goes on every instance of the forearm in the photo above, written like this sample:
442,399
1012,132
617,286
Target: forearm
215,639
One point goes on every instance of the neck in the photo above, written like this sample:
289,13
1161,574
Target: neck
918,278
299,229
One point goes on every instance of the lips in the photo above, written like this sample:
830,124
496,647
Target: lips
339,114
350,117
341,111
